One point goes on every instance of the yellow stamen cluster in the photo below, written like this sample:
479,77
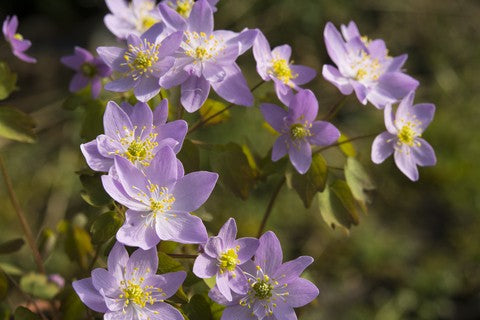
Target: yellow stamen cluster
183,7
138,149
166,199
229,259
133,292
88,70
281,70
300,131
141,59
367,68
18,36
408,132
201,46
148,22
143,14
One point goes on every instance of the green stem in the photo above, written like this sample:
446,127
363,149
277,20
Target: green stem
182,256
21,217
335,109
268,211
201,123
346,141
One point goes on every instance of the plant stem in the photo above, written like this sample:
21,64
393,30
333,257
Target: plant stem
182,256
345,141
21,216
334,110
270,206
200,123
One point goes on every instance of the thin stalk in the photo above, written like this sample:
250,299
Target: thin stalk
345,141
268,211
201,123
21,217
27,297
182,255
335,109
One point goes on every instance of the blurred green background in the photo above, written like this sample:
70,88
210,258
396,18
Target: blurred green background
417,253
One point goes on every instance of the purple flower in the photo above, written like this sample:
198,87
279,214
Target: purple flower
159,200
135,133
146,59
365,67
222,257
18,44
131,18
184,7
129,289
89,69
275,288
403,137
298,129
207,58
276,65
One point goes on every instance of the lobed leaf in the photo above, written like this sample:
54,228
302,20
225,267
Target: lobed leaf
359,181
16,125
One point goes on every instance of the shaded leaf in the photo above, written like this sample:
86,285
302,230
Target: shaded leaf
347,148
93,122
16,125
22,313
93,192
8,81
38,285
11,246
3,285
79,99
198,308
72,307
11,269
211,107
268,167
359,182
47,242
105,226
78,245
344,194
189,156
307,185
235,172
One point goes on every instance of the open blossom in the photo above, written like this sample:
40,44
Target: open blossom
131,18
276,65
89,69
129,289
222,257
134,133
403,137
184,7
206,58
145,60
298,129
275,288
18,44
365,67
159,200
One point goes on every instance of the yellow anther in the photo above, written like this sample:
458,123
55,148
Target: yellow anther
281,69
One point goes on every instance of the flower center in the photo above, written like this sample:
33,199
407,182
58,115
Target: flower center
407,135
88,70
183,7
141,59
263,288
18,36
148,22
281,70
202,47
229,260
136,149
134,293
160,201
299,131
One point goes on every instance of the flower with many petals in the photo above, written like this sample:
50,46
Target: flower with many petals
89,69
134,133
131,18
276,65
222,256
143,63
206,58
364,66
159,200
403,137
298,129
130,289
275,288
17,42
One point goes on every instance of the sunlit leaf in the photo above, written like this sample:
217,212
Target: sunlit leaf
359,182
38,285
78,245
3,285
93,192
8,80
211,107
11,246
10,269
189,156
105,226
347,147
16,125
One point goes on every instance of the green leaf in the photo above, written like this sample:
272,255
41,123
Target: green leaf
268,167
105,226
189,156
211,107
47,242
336,204
72,308
359,182
93,122
93,192
210,282
198,308
3,285
234,169
22,313
8,81
167,246
16,125
11,246
78,245
38,286
168,264
313,181
79,99
347,148
10,269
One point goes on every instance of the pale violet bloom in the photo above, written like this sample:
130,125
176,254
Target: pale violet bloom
275,288
206,58
364,66
18,44
89,69
276,65
159,200
134,133
403,137
133,17
145,60
184,7
222,256
130,289
298,129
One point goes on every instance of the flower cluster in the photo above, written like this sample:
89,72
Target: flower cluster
17,42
